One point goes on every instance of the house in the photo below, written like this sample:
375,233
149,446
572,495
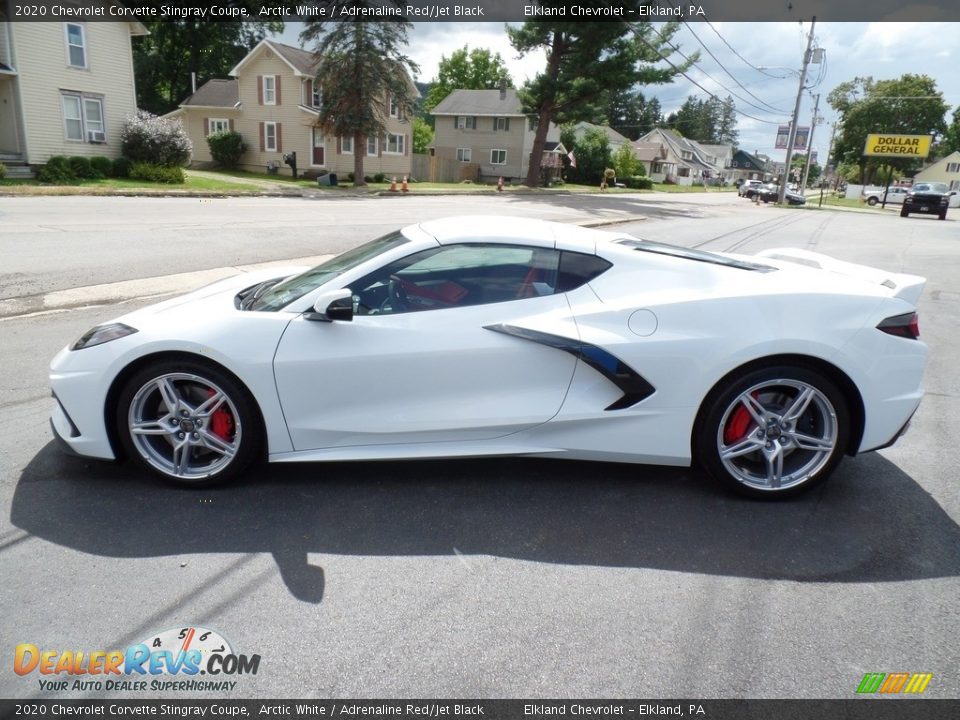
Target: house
272,100
684,162
487,133
613,137
65,89
946,170
721,157
747,167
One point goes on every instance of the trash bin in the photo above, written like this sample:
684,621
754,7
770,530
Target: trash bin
328,179
333,179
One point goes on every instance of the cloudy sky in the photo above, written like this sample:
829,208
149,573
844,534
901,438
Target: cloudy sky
881,50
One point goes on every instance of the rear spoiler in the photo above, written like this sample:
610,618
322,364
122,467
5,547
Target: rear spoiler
900,285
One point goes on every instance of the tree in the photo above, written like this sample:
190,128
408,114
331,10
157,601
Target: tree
467,69
625,162
712,121
586,60
951,139
631,114
363,70
727,133
164,60
422,135
592,151
909,105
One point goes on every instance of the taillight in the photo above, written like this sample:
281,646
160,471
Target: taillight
906,326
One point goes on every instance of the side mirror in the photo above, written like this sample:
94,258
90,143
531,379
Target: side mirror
333,305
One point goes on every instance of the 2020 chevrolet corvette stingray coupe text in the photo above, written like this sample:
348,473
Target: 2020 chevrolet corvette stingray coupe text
469,337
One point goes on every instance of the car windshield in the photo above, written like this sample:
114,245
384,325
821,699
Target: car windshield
931,187
284,293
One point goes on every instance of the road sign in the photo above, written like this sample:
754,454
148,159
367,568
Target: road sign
799,141
907,146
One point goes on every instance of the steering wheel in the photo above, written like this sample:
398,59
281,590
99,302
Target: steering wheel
397,295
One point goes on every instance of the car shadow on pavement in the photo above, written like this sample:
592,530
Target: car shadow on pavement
870,523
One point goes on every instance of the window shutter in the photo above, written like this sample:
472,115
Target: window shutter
406,144
262,142
206,126
455,121
474,122
339,144
383,144
506,125
276,83
260,95
231,124
279,136
309,99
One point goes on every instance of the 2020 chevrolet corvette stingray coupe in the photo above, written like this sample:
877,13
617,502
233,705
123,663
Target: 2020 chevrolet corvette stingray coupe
469,337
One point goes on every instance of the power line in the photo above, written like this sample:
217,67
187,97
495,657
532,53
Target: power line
722,67
734,50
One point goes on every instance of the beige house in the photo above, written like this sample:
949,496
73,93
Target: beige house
272,100
489,135
669,157
945,170
66,88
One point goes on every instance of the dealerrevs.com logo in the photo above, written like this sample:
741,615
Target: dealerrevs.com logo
167,661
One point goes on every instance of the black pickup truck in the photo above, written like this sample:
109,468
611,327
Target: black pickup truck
927,198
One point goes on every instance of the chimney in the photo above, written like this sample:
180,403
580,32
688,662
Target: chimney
503,88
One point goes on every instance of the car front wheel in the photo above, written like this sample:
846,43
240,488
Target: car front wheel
871,201
904,213
188,422
774,432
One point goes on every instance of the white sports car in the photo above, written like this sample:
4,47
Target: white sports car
468,337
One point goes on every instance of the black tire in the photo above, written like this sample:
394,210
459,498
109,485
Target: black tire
218,443
871,201
904,213
943,215
726,425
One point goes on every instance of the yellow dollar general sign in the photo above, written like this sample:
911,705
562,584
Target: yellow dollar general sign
917,146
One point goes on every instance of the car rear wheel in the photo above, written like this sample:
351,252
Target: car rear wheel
189,422
904,213
774,432
871,201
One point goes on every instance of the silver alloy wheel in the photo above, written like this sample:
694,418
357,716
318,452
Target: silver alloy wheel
171,422
789,434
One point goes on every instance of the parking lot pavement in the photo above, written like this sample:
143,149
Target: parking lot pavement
507,577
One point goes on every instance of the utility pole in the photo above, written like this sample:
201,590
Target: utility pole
796,113
813,126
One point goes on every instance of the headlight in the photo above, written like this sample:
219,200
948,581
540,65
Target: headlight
101,334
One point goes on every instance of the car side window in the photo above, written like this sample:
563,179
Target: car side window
457,276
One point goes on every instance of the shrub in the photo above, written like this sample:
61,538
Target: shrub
102,166
379,178
226,147
81,167
157,173
57,171
149,139
638,182
3,171
120,168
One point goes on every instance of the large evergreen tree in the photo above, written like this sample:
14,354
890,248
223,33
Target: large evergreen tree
631,114
585,60
361,69
467,69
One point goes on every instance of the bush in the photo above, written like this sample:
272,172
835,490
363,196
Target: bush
3,171
120,168
57,171
226,147
102,166
379,178
149,139
157,173
81,167
638,182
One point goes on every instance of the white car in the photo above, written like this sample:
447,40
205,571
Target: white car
477,336
874,196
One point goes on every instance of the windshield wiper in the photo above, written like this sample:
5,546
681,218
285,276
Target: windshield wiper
252,294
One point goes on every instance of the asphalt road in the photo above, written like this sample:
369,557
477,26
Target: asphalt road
481,578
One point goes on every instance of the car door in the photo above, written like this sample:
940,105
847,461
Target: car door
422,361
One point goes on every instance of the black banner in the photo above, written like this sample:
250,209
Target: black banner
484,10
854,709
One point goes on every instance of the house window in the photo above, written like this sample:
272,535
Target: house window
346,145
464,154
953,167
532,124
684,172
686,154
269,89
317,96
83,118
371,145
466,122
269,134
217,125
498,157
501,123
394,144
394,109
656,167
76,45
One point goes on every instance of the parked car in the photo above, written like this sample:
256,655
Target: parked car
927,198
895,195
478,336
748,188
771,193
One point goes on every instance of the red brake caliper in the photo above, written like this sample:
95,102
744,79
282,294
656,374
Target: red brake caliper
739,424
221,422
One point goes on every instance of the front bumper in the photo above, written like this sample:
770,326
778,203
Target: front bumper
77,417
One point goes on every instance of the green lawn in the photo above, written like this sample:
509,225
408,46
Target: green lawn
192,183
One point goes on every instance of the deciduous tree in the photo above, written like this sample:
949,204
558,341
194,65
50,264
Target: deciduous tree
467,69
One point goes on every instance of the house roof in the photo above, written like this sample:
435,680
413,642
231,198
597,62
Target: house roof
615,138
480,102
649,151
744,156
302,60
216,93
679,144
557,147
718,150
